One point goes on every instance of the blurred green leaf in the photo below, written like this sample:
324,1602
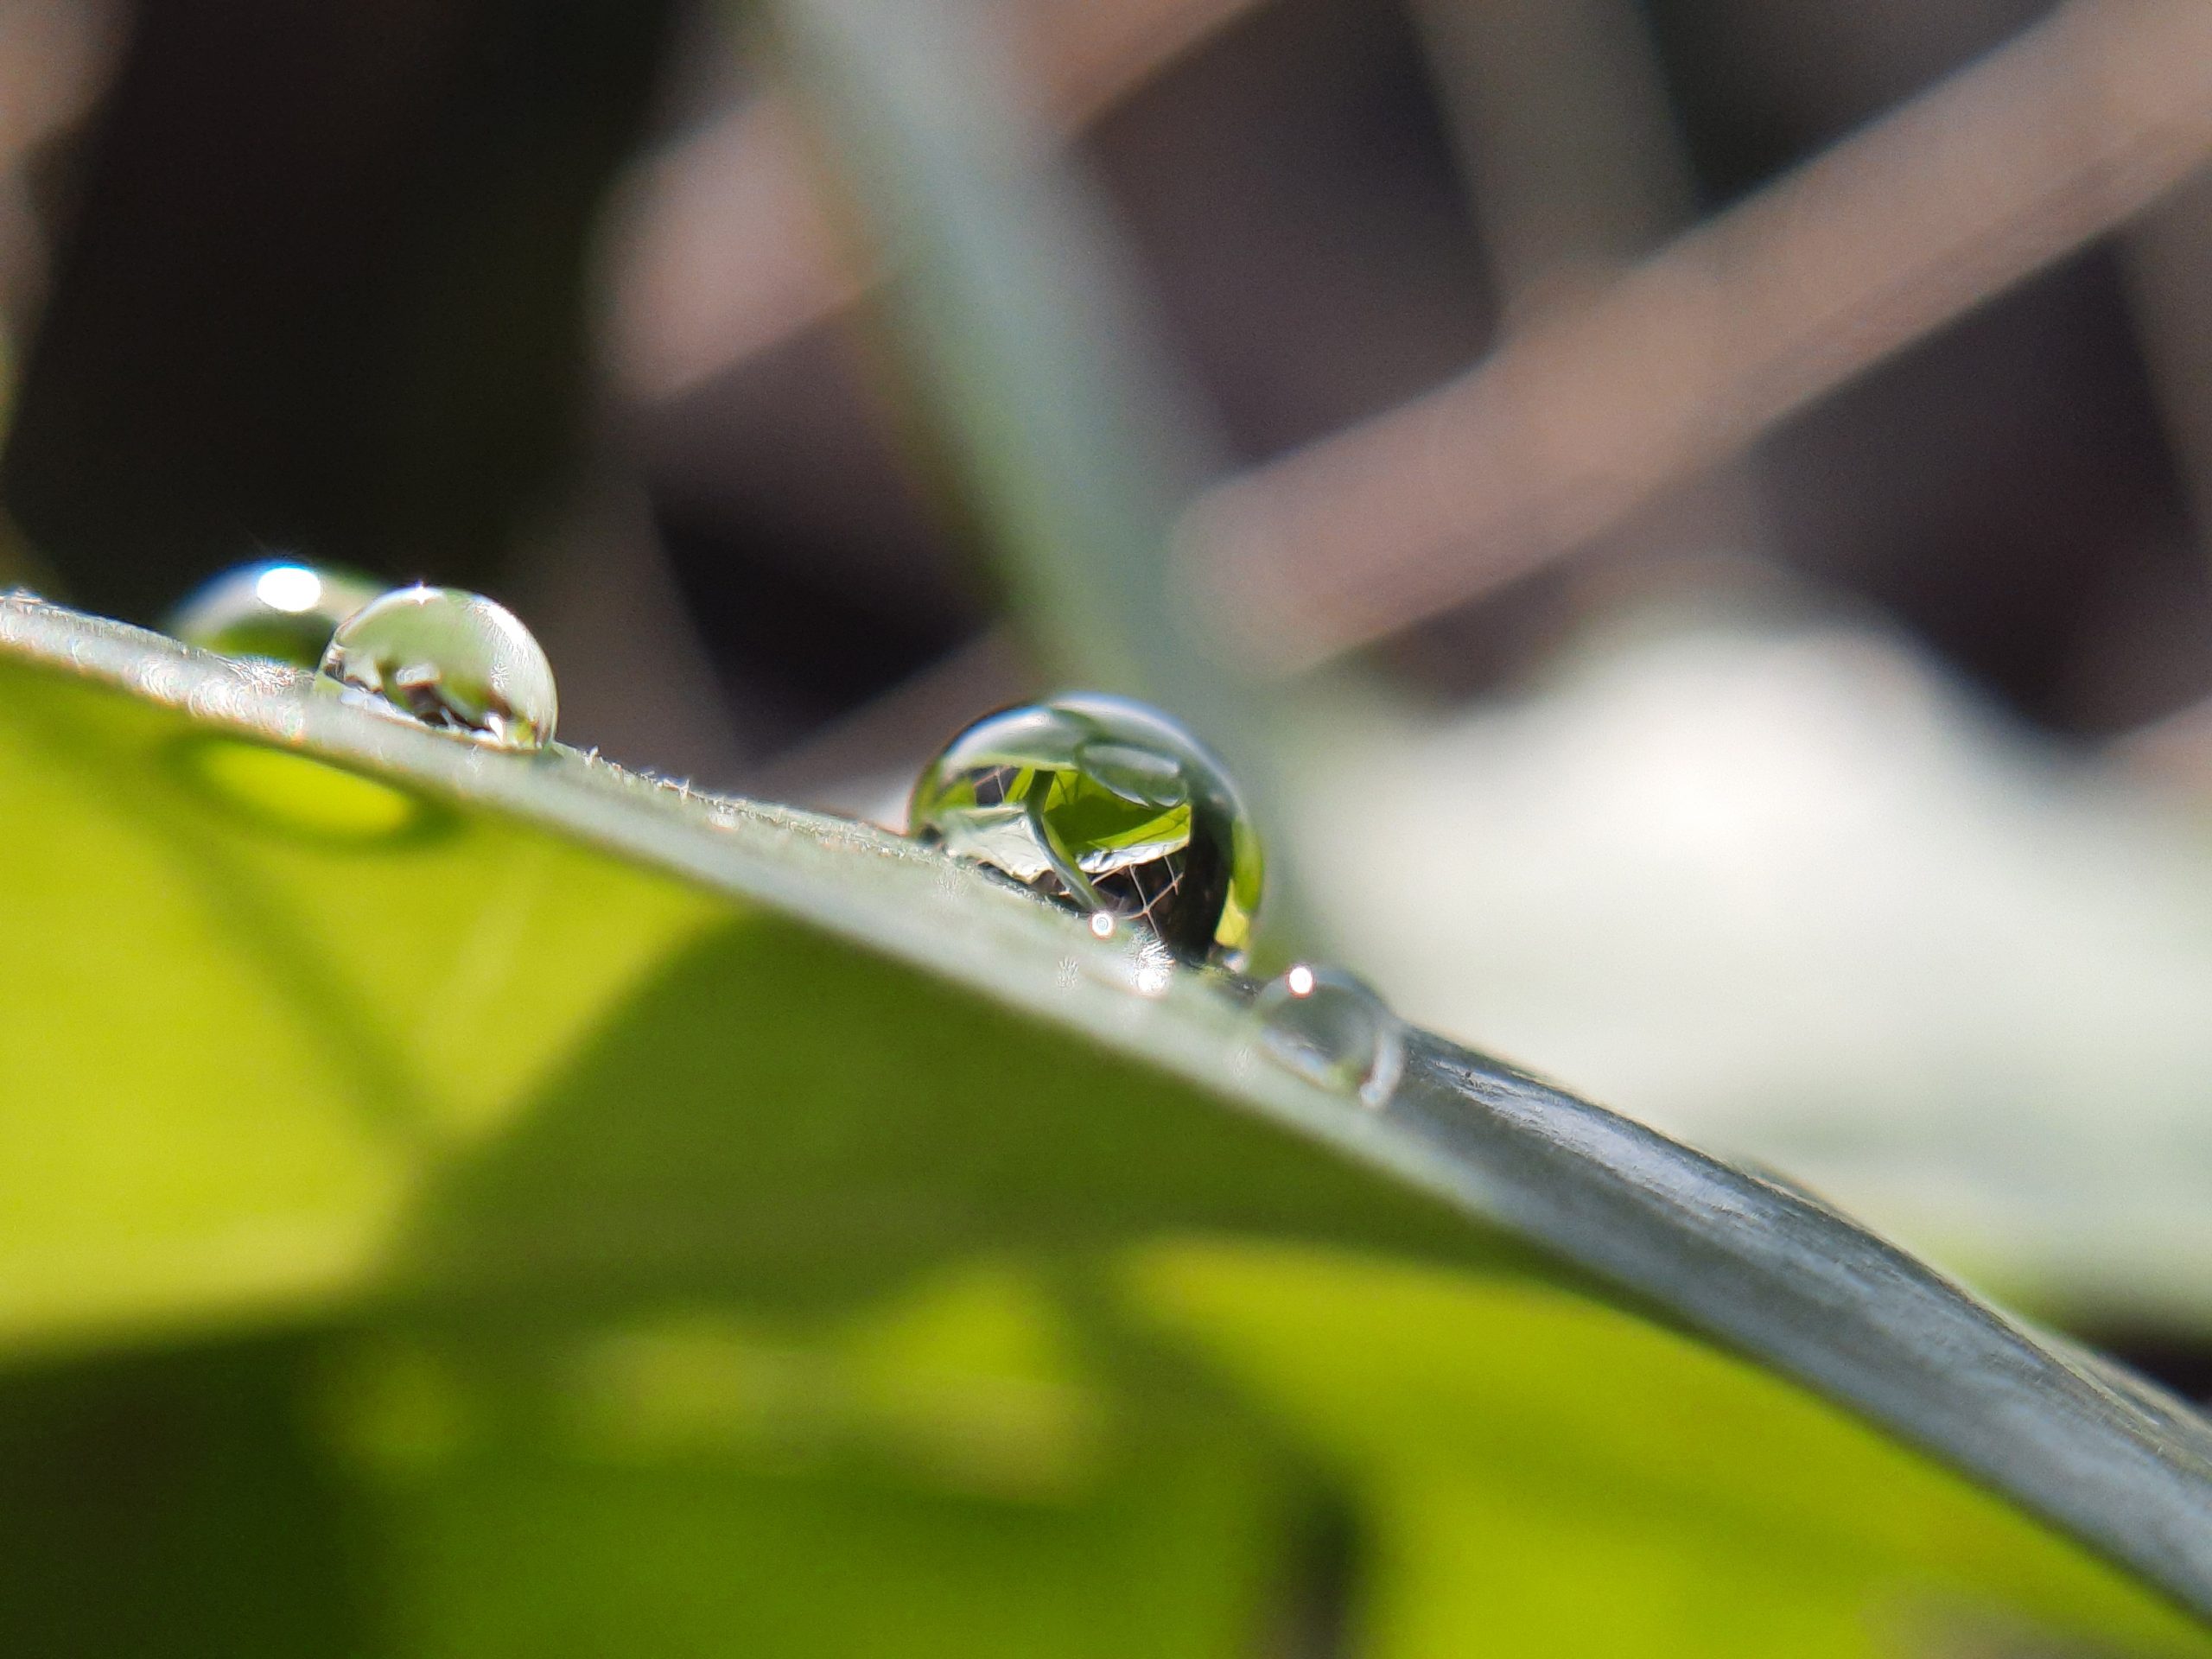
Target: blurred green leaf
647,1198
895,1481
1519,1490
1037,372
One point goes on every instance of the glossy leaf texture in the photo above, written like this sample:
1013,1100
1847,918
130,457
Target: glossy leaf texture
463,1202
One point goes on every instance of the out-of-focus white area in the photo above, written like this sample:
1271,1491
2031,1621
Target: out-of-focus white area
1777,886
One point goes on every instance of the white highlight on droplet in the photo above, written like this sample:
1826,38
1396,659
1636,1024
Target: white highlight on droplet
291,589
1299,982
1154,970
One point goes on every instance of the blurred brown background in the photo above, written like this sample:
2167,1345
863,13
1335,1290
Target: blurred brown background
355,283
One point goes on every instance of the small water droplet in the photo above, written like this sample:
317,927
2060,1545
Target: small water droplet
1331,1027
282,609
450,659
1108,807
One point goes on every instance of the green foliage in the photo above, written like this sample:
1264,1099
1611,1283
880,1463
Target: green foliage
474,1202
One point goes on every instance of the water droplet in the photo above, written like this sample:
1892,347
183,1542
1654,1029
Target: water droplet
1331,1027
452,659
278,608
1108,807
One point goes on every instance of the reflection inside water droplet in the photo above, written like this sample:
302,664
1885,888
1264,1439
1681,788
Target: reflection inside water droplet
1108,807
282,609
452,659
1331,1027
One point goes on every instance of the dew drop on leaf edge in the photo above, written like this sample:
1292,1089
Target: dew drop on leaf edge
1108,807
1330,1028
285,610
451,659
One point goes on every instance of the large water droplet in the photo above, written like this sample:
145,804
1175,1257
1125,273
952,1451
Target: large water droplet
277,608
450,659
1108,807
1331,1027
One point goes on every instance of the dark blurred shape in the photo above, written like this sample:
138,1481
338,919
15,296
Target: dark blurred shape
190,1478
1760,87
2176,1362
1291,191
819,568
1327,1567
2005,489
324,288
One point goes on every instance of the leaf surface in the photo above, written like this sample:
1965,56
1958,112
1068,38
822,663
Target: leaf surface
321,1022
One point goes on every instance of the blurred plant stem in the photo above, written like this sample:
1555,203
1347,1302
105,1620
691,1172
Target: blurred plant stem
2165,255
1574,169
1037,381
1582,416
736,254
1558,117
55,57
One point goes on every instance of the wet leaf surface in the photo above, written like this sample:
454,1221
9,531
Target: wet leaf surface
608,1216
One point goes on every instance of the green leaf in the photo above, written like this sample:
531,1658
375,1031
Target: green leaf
931,1476
1520,1489
474,1069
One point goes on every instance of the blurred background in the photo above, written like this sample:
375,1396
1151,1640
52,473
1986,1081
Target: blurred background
1693,519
